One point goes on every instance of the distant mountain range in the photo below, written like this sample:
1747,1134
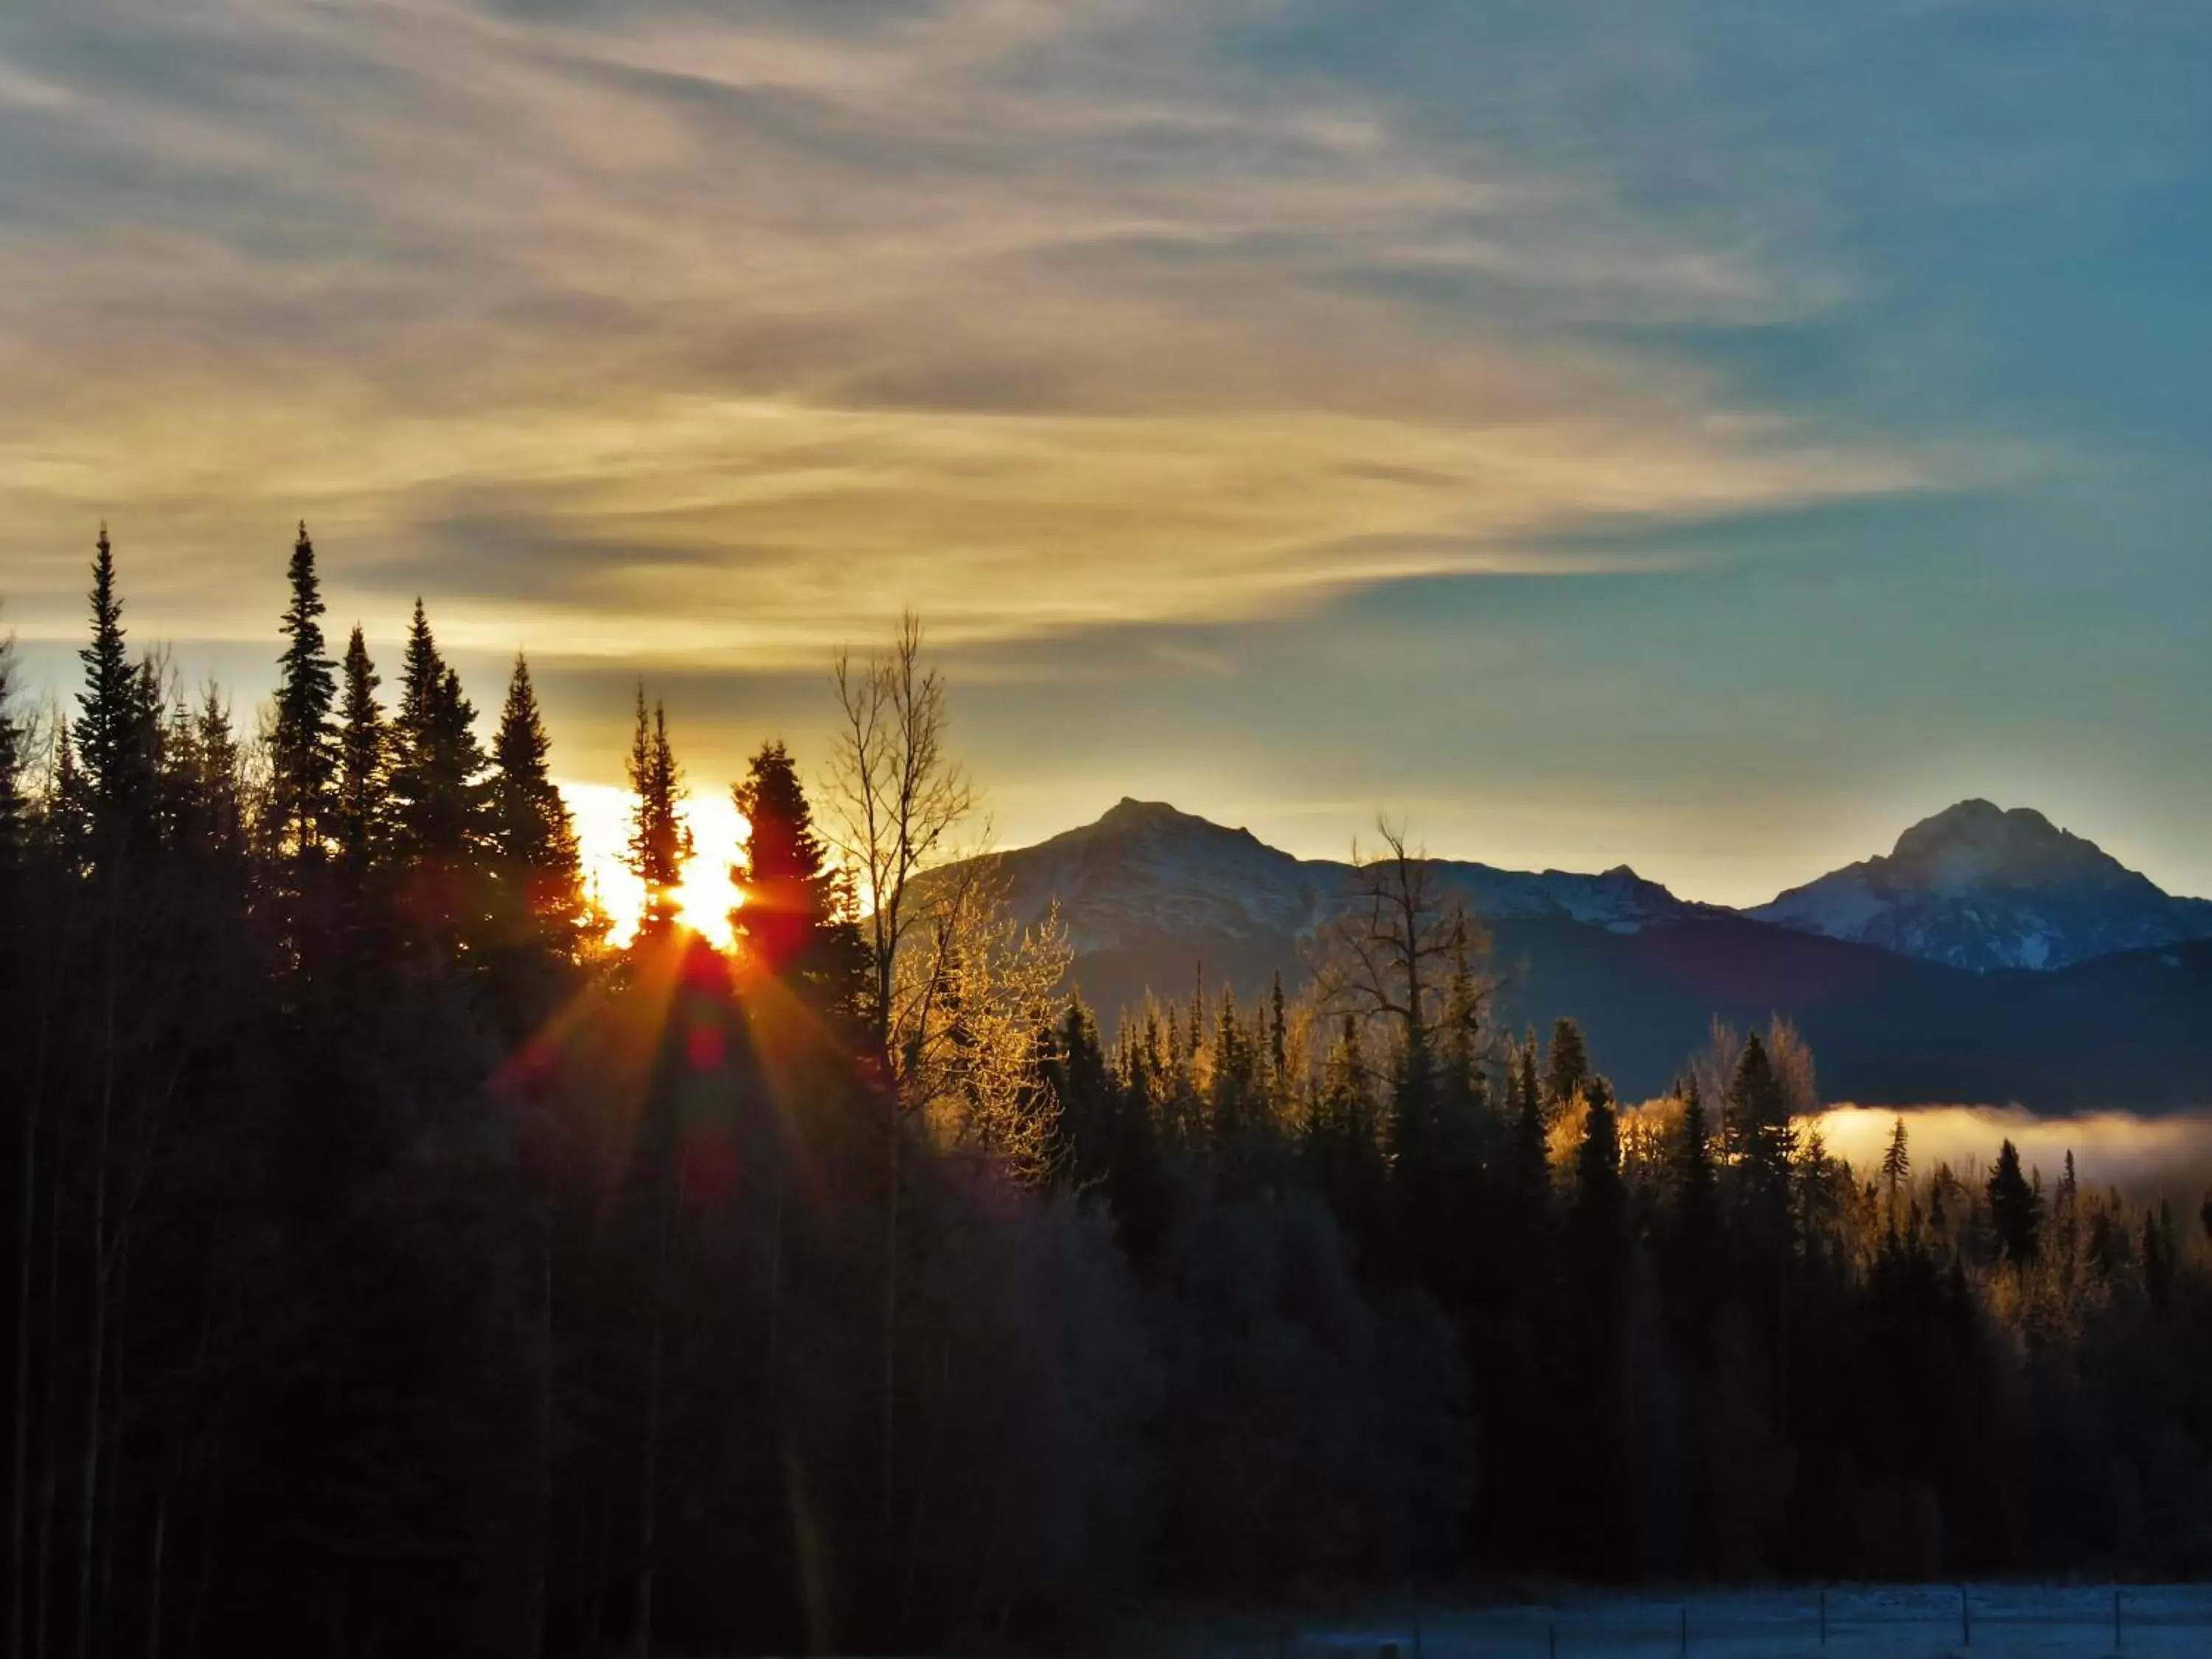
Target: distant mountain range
1990,956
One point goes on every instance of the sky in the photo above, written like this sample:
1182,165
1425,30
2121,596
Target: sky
1700,435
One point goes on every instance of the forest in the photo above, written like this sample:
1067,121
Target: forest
396,1263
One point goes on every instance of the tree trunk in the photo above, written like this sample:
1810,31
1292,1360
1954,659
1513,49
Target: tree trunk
891,1305
111,1498
19,1573
775,1282
96,1363
534,1643
154,1573
648,1494
52,1436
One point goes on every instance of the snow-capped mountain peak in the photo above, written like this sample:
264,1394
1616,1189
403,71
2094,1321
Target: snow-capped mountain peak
1979,886
1976,886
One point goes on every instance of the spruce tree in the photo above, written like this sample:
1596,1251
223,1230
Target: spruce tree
1569,1068
1896,1162
2015,1209
1237,1093
660,839
1342,1144
1601,1194
14,763
358,820
1278,1054
533,838
66,825
222,791
111,753
1698,1235
796,918
1466,1040
1755,1130
303,748
1529,1174
437,778
1598,1257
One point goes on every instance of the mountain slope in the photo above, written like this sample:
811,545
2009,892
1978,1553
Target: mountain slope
1145,868
1151,895
1978,887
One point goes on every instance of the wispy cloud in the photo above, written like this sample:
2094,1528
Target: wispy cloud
652,329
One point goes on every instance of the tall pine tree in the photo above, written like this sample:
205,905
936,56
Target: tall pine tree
358,820
14,763
113,733
437,776
795,917
533,838
1569,1070
2015,1210
303,749
660,839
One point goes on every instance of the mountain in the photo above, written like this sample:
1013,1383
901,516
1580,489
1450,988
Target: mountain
1979,887
1151,895
1145,869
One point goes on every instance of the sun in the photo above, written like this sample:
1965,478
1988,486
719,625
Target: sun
708,896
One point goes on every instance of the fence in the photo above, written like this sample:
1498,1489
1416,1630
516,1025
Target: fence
1916,1622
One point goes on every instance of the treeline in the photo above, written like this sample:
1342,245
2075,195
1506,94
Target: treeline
394,1264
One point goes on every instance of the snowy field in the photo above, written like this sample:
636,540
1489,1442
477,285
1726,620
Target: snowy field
1915,1622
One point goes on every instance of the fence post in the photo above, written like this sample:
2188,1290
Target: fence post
1555,1639
1824,1616
2117,1641
1417,1636
1966,1619
1685,1645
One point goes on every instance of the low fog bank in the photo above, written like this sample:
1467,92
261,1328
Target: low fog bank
2161,1156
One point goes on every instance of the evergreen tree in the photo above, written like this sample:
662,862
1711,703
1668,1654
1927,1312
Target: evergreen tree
1569,1069
112,753
65,823
796,916
218,801
2015,1209
1896,1162
1755,1129
533,837
303,749
1342,1144
1699,1238
660,839
1529,1162
1466,1033
359,819
223,760
2160,1260
1278,1052
14,764
1599,1257
1601,1204
437,785
1236,1096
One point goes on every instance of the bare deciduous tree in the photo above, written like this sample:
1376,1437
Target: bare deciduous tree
1390,957
895,798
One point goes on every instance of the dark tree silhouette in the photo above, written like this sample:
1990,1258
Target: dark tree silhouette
303,754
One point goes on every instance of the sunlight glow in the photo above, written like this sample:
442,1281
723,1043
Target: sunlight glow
602,815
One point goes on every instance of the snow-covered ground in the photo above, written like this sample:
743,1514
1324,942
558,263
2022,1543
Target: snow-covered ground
1915,1622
